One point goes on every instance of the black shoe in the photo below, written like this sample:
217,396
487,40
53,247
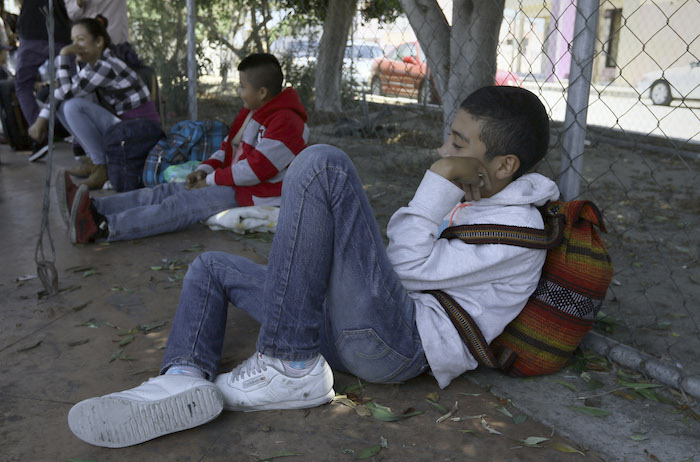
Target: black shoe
39,152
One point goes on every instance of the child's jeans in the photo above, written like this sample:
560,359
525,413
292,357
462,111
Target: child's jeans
329,287
167,207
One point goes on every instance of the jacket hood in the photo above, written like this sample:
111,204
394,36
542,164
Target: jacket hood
529,189
286,99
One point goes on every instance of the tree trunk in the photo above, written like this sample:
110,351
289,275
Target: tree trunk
473,46
433,33
330,54
462,58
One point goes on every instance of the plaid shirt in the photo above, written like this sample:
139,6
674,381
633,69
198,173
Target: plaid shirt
118,87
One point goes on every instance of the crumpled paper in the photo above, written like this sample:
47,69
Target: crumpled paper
241,220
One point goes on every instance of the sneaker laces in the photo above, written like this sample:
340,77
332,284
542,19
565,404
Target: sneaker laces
253,365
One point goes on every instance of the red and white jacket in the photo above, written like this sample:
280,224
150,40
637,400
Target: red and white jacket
275,134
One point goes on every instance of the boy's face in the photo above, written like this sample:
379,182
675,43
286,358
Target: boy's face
464,139
253,98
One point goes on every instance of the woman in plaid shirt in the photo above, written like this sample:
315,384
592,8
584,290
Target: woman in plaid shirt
103,92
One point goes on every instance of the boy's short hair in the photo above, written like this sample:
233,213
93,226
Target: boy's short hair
263,71
514,121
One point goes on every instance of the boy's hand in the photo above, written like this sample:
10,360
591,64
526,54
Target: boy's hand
194,178
467,173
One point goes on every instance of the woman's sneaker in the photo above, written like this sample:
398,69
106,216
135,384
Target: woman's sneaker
163,405
260,383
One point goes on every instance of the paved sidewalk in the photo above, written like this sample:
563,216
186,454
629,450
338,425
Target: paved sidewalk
107,329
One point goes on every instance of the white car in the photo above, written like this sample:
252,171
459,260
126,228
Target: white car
357,64
681,82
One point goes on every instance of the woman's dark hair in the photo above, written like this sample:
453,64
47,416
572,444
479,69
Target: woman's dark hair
97,27
514,121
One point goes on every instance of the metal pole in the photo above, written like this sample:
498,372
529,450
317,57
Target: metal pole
574,132
191,61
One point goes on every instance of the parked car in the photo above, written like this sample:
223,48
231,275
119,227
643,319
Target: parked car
357,64
403,71
682,82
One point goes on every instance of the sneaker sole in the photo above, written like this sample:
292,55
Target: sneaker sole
302,404
61,196
130,422
72,221
39,154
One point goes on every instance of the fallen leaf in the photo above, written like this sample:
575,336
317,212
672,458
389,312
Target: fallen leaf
442,409
489,428
30,347
127,340
520,418
89,273
116,354
383,442
567,385
277,455
371,451
594,411
449,414
80,307
505,411
639,437
385,414
534,441
78,342
347,451
26,277
156,268
434,396
562,447
470,431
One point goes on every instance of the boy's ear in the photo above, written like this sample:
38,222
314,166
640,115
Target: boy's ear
264,93
507,166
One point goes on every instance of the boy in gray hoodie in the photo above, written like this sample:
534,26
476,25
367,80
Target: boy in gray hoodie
332,294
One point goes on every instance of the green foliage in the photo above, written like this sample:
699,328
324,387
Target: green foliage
301,78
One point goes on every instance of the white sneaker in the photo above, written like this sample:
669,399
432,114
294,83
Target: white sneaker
162,405
260,383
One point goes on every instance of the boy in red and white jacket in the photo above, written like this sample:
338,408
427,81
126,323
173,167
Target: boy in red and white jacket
249,168
270,137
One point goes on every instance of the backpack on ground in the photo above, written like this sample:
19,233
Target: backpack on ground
127,144
575,277
187,140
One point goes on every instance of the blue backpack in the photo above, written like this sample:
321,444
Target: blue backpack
187,140
127,144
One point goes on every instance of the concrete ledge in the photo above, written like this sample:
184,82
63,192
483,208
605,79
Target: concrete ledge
626,356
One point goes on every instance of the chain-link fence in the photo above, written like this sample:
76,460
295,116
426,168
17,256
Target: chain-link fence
631,92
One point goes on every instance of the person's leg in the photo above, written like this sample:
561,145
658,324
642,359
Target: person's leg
327,248
175,211
212,281
30,55
87,122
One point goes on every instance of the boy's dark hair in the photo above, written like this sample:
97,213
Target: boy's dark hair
97,27
263,71
514,121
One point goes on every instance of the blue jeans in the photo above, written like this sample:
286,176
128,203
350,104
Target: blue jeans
167,207
88,122
329,287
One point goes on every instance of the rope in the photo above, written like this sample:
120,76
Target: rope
45,265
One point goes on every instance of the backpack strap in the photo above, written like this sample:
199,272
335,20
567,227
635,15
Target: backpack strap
471,334
532,238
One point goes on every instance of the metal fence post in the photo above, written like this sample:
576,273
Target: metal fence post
574,132
191,61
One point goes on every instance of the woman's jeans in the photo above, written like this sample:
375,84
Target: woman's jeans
88,122
329,287
167,207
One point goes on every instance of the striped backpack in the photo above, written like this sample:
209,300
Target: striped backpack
575,277
187,140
